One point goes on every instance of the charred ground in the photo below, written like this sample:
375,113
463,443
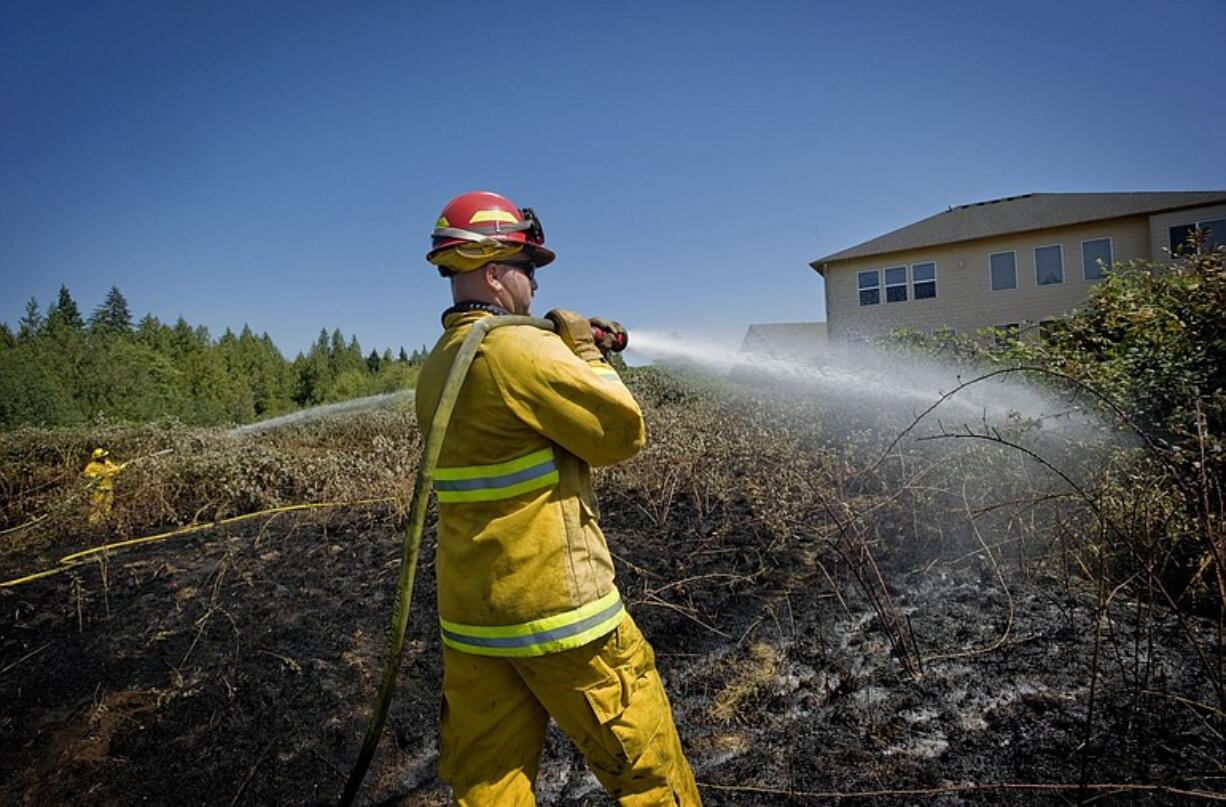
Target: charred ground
825,621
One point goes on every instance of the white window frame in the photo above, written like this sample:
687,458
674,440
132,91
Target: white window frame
1035,258
876,287
935,291
1012,252
1085,270
886,285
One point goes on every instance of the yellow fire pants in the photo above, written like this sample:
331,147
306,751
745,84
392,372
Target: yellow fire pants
100,501
606,695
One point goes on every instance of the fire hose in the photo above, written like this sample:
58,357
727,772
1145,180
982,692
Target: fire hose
412,537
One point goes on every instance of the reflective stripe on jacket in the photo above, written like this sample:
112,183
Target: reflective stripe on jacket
522,566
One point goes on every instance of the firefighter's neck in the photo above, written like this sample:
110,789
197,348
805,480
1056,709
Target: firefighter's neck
485,285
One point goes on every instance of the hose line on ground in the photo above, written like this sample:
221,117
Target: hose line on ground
69,561
412,536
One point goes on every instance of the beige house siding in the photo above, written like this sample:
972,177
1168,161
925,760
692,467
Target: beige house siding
965,300
1160,224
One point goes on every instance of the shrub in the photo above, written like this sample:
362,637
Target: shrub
1151,340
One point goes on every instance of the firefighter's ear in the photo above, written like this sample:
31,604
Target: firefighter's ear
491,276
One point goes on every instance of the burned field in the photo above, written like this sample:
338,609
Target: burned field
937,623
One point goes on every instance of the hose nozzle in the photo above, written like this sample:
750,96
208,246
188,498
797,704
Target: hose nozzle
609,335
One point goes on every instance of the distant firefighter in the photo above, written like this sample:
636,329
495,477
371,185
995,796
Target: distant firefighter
102,495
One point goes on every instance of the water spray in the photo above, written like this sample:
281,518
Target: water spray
860,376
326,410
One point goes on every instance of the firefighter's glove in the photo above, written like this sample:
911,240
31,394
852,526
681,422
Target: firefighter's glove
611,334
576,333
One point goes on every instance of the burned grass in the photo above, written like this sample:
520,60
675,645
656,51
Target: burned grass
822,627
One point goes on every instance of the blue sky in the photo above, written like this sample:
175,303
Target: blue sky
282,163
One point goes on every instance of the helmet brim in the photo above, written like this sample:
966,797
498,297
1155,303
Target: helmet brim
540,256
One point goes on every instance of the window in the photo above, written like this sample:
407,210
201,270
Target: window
1049,265
1006,334
1179,238
1003,267
924,280
1095,258
1050,329
896,284
1214,235
870,287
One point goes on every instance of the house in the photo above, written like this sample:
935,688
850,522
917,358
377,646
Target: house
791,341
1010,263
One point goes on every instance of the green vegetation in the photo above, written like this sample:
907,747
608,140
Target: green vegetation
61,370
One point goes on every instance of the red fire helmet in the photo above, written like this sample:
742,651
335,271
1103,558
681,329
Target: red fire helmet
481,227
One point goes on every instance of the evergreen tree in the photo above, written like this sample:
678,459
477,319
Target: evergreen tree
353,359
336,351
259,369
152,333
279,378
65,373
64,313
419,356
113,316
31,325
66,344
315,371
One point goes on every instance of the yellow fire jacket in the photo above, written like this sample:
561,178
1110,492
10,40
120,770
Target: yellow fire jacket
522,566
106,470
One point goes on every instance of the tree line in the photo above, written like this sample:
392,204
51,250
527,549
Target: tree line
61,368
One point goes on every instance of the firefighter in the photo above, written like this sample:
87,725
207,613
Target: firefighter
101,472
532,623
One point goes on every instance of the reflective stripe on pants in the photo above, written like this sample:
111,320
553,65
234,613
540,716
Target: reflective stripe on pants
606,696
541,636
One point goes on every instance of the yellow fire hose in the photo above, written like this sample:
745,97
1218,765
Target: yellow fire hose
412,536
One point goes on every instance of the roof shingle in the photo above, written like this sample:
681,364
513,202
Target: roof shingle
1015,214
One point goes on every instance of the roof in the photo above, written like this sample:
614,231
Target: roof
1016,214
783,339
